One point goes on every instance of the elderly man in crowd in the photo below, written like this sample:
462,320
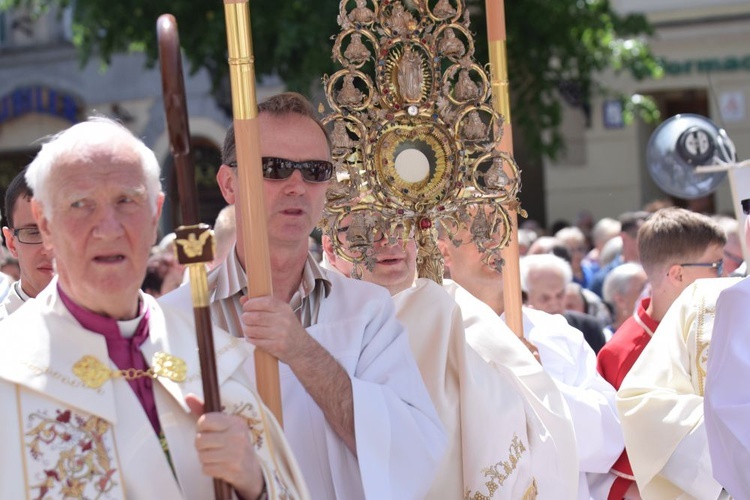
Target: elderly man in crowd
622,288
356,411
544,278
95,380
25,243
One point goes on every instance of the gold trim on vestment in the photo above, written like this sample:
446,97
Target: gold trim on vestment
94,373
501,471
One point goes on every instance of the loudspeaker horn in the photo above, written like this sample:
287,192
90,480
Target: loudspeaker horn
688,156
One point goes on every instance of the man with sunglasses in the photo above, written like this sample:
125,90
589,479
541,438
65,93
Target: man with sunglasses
356,411
661,398
24,242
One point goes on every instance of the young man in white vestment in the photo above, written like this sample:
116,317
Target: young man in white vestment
727,396
101,391
661,399
356,412
24,242
498,446
564,354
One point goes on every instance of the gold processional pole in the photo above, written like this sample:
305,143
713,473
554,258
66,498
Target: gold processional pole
250,202
501,103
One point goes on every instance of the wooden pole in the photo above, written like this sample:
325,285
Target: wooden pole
175,108
501,103
250,203
194,249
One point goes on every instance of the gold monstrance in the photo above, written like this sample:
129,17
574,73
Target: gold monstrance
414,134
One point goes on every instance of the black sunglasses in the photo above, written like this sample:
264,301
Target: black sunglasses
746,206
277,169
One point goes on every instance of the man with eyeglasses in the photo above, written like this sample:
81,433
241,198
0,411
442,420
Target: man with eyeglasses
677,247
356,411
661,399
24,241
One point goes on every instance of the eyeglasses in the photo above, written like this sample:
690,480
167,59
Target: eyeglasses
277,169
718,265
28,235
746,206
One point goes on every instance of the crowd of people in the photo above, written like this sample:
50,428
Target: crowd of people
392,386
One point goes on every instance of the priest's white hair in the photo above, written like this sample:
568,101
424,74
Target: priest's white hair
78,141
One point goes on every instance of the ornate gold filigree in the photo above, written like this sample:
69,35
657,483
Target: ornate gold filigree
415,137
94,373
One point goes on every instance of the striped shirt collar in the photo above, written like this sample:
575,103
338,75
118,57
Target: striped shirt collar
229,279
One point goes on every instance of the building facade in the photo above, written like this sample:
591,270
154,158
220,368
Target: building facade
705,47
44,89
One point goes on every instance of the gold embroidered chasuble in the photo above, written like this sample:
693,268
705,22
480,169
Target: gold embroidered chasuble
62,438
494,446
660,401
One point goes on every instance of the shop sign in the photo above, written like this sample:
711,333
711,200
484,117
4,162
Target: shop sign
728,64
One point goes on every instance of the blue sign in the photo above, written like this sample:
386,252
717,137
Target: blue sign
38,99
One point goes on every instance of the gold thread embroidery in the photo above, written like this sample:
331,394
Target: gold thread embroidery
56,375
234,342
531,492
83,457
19,413
93,373
702,343
256,423
501,471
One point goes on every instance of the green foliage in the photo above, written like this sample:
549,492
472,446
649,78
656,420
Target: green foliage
554,47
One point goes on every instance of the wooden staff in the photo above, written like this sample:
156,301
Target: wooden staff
193,244
250,202
501,103
175,107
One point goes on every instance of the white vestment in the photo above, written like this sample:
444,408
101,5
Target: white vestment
661,400
488,335
400,440
63,439
12,301
571,363
498,448
727,398
5,282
